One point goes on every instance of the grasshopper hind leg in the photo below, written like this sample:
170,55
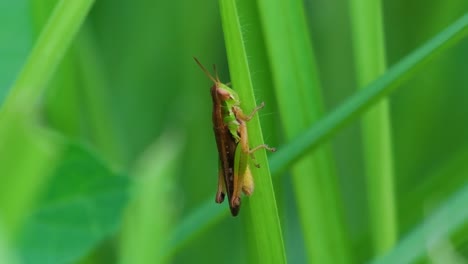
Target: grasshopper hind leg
248,184
221,193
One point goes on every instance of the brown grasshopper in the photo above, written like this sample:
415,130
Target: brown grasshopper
229,125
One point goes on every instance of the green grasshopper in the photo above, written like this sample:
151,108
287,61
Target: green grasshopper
229,125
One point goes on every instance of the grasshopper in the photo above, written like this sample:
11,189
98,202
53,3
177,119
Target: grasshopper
230,129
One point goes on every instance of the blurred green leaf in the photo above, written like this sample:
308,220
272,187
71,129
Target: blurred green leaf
81,207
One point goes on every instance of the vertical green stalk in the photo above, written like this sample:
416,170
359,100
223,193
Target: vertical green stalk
299,98
260,212
150,215
102,131
369,49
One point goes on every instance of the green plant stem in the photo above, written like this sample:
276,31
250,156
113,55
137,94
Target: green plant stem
298,93
369,51
100,120
356,105
49,49
261,214
329,125
149,217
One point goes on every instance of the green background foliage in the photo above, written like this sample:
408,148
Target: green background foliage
107,152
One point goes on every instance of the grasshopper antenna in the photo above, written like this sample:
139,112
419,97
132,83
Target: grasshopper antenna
207,73
216,73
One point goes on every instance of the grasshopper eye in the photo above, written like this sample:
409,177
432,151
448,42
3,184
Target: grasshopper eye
225,95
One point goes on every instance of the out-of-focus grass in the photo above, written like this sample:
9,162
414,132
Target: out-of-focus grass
300,103
369,54
128,76
150,215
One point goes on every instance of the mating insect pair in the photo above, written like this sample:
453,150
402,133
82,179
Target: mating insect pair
229,125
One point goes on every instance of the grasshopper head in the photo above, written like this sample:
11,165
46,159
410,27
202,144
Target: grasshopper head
222,90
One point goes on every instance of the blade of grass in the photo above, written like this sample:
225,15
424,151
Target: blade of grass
448,218
64,114
298,93
369,52
49,49
375,91
16,40
261,214
101,126
149,217
334,122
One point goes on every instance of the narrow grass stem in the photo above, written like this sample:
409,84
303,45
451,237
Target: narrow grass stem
369,52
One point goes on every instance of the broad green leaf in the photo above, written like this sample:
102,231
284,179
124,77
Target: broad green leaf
81,207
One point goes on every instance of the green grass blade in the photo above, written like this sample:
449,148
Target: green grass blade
369,52
62,115
261,214
102,130
360,102
49,49
332,123
16,41
150,215
298,93
433,232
